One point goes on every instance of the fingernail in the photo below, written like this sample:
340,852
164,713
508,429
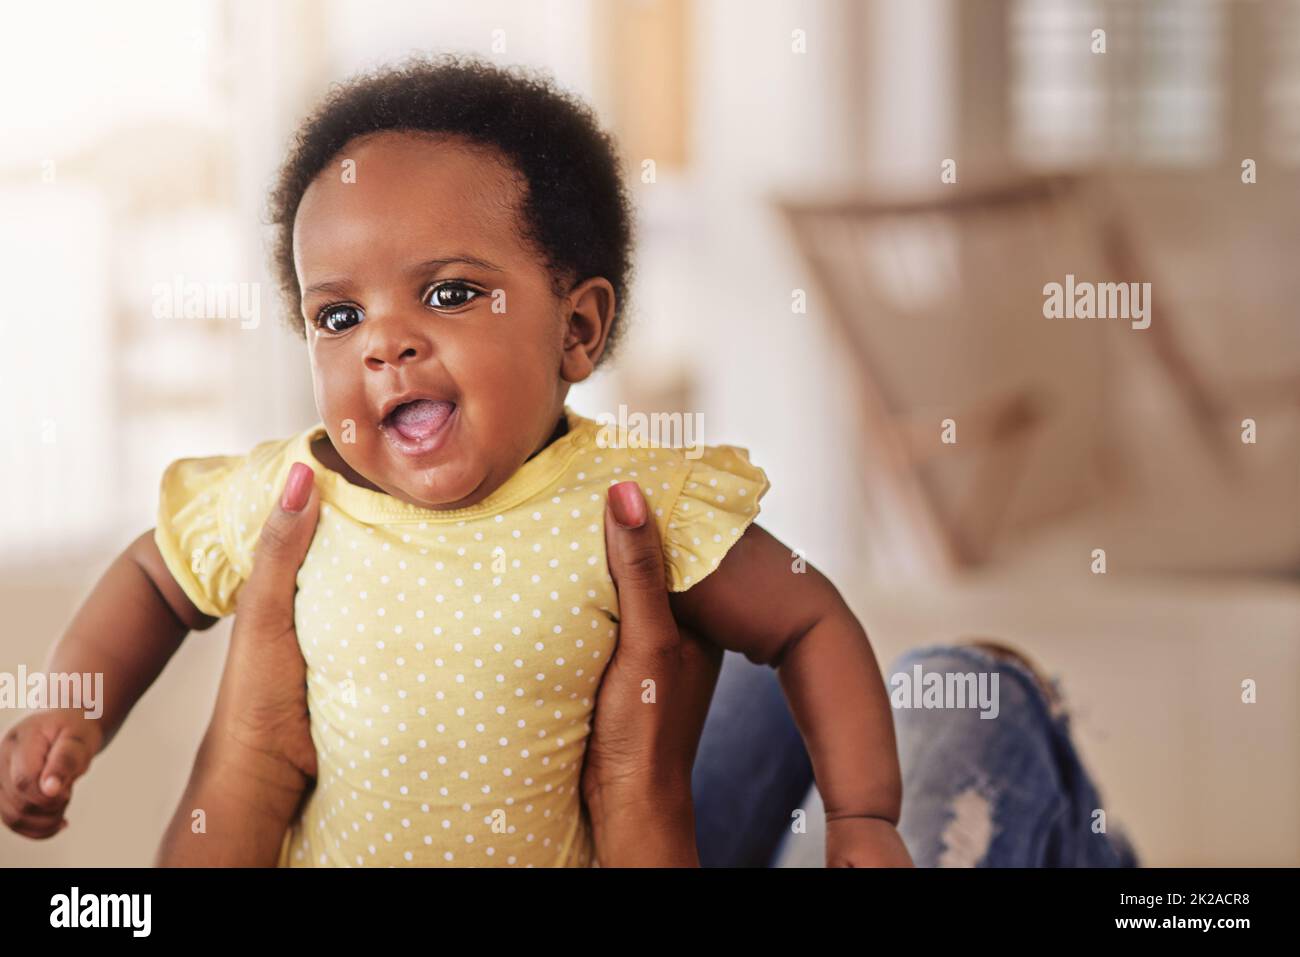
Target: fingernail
52,784
628,505
298,488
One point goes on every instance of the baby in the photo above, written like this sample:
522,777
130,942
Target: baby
456,241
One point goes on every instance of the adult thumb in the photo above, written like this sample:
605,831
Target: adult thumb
281,547
636,561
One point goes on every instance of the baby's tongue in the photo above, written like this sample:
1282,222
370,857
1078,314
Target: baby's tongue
422,418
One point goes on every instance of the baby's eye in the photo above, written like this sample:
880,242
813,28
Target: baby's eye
339,318
449,295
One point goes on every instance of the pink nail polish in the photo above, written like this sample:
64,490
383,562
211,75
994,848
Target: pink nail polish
298,488
628,505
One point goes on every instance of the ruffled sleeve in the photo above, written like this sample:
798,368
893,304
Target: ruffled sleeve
718,500
189,531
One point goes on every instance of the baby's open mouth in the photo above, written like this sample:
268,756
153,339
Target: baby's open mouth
419,420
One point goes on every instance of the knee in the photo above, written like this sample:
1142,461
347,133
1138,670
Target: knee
963,707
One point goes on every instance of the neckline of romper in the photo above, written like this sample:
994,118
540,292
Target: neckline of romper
368,505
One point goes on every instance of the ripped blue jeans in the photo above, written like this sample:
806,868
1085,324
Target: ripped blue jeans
1006,790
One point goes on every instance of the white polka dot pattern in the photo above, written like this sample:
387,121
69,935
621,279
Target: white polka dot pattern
453,661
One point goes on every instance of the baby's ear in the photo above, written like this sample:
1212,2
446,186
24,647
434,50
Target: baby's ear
590,307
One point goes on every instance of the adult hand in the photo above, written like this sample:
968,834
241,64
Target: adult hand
257,758
650,707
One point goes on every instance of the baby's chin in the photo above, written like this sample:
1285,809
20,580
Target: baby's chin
442,487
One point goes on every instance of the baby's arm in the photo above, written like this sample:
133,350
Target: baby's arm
756,603
127,630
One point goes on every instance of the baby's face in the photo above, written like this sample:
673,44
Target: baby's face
400,266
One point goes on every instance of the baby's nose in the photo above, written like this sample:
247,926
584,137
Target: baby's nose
378,358
394,343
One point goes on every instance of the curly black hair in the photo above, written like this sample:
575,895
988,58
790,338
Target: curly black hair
575,209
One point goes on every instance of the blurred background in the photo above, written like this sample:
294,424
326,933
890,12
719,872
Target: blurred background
854,211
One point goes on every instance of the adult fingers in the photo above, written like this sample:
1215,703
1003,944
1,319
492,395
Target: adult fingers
281,547
636,563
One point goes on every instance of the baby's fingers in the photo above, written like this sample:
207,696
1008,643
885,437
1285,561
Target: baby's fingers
28,749
29,820
68,760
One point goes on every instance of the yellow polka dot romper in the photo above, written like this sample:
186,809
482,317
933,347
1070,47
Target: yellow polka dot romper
453,657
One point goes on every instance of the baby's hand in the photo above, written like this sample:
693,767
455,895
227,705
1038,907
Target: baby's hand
40,757
864,842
